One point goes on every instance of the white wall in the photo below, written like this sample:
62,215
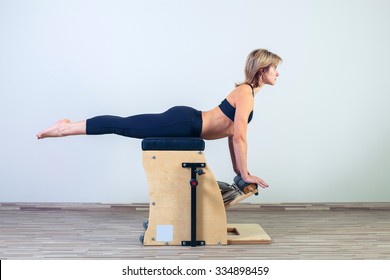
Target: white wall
321,134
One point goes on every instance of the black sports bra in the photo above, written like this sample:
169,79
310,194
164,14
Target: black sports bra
230,111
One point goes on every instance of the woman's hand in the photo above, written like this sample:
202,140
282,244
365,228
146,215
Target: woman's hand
255,180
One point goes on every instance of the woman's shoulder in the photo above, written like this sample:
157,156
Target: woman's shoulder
241,91
245,88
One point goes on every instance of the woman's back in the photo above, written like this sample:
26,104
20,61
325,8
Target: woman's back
216,123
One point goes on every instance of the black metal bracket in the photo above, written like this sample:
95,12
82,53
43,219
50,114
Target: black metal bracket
193,183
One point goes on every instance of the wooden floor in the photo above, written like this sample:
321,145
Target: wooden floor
95,231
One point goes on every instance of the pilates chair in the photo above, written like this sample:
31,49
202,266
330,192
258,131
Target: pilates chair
186,205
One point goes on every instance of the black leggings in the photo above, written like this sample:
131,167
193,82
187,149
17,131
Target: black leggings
179,121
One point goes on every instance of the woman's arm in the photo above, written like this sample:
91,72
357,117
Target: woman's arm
233,156
244,106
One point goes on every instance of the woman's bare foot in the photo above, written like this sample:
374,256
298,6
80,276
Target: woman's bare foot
56,130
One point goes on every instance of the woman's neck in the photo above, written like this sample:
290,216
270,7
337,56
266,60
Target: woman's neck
257,89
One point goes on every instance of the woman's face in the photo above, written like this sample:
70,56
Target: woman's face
269,76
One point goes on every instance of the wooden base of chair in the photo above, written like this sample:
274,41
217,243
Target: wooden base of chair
247,234
170,194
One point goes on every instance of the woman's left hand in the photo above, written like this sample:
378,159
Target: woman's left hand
255,180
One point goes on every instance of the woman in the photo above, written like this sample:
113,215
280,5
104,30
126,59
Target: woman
229,119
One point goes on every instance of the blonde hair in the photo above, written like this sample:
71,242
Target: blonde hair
258,61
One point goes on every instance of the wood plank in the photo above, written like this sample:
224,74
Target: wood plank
240,198
247,234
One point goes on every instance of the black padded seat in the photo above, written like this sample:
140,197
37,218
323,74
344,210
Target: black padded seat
173,144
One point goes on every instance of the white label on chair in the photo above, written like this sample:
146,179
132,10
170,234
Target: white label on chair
164,233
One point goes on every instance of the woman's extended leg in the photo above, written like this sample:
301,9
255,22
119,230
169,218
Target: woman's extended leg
63,128
179,121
